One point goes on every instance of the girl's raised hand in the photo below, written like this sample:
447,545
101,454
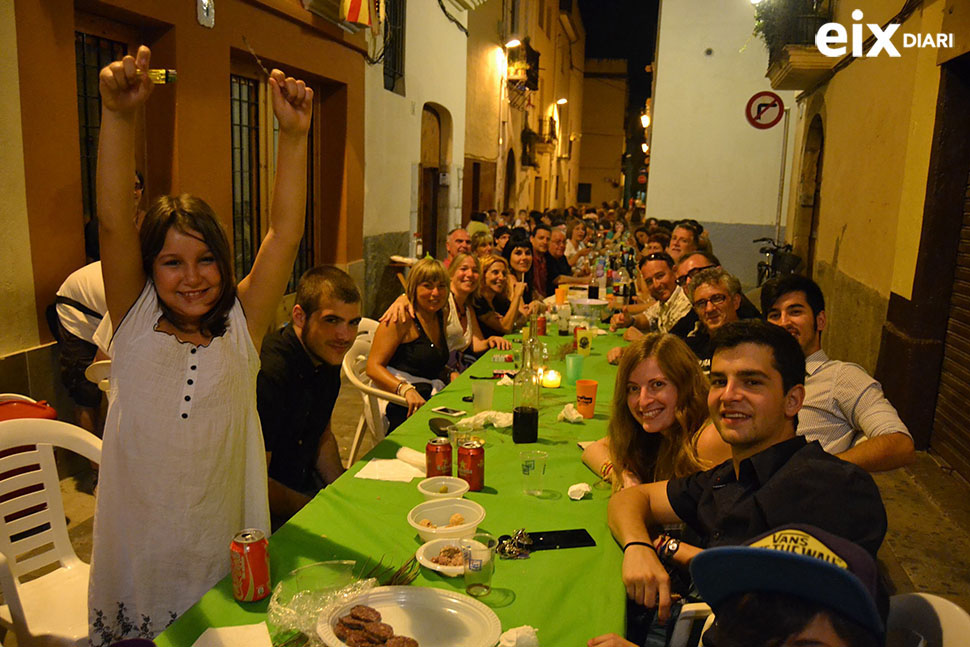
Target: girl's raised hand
292,103
125,84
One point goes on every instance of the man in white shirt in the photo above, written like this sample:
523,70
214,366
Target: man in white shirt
843,403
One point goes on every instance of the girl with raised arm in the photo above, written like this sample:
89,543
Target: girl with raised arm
183,464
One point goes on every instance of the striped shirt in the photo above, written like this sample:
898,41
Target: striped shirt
842,404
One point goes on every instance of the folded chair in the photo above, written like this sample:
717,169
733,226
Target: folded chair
354,367
926,620
50,609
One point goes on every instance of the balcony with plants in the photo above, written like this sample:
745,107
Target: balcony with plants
788,28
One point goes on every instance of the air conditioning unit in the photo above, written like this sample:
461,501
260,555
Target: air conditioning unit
330,10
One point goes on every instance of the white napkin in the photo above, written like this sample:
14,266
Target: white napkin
479,420
242,636
524,636
383,469
578,491
412,457
600,331
570,413
505,380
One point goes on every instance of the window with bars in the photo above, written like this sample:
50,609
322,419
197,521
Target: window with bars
394,46
91,53
253,168
245,172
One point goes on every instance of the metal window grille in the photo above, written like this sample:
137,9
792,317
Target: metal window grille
245,172
393,44
91,53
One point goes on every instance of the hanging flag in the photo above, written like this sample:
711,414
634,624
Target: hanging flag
359,12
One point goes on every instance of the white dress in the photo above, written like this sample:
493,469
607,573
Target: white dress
183,469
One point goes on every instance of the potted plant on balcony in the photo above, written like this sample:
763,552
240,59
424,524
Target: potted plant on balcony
789,22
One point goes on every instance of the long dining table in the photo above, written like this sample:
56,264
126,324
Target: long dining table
568,595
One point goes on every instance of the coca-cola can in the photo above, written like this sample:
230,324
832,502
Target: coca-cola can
541,325
471,464
249,556
437,457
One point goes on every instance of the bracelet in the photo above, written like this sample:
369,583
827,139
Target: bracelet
639,543
407,389
606,469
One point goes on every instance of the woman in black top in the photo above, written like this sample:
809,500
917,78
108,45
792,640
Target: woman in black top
498,304
407,356
518,255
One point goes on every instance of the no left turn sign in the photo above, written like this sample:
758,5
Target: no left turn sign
764,110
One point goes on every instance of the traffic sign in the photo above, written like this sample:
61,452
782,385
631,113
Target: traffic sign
764,110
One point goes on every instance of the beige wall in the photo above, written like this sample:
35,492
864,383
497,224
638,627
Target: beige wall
605,95
483,92
17,311
878,117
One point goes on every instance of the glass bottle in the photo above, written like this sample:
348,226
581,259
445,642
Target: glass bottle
525,391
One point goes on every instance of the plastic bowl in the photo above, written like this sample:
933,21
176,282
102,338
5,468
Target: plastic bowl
439,512
431,488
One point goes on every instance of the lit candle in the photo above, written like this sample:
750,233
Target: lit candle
551,379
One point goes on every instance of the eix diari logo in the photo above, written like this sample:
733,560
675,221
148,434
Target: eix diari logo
832,37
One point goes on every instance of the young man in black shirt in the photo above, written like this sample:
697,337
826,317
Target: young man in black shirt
298,384
773,478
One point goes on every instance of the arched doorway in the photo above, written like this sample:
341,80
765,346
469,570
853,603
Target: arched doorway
428,179
809,189
509,181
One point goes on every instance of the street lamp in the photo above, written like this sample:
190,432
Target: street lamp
563,101
515,42
645,120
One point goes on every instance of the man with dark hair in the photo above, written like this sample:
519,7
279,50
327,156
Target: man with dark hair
540,266
298,385
672,304
500,237
457,242
843,404
774,477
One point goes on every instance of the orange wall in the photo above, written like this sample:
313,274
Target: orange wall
187,124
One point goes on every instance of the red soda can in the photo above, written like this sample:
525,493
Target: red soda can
249,555
471,464
541,325
437,457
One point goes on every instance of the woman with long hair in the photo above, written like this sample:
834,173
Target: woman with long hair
463,331
518,255
184,465
659,425
498,302
410,357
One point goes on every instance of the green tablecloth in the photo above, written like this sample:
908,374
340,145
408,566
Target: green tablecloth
569,595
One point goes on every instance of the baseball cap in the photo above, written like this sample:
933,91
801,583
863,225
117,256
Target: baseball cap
800,560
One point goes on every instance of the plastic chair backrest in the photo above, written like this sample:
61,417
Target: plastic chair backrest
33,531
691,623
939,622
15,397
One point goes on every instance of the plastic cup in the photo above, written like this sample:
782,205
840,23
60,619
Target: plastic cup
574,368
533,471
562,291
482,393
479,556
586,397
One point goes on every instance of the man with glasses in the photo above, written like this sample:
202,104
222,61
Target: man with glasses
690,264
715,296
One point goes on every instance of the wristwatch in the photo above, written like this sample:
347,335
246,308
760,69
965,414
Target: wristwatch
668,549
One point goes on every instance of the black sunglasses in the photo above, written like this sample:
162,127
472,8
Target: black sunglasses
682,280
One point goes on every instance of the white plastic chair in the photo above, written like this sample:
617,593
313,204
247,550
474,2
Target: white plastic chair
7,397
51,609
99,373
692,614
926,619
354,367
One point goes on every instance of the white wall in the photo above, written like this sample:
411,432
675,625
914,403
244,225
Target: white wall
707,162
435,54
